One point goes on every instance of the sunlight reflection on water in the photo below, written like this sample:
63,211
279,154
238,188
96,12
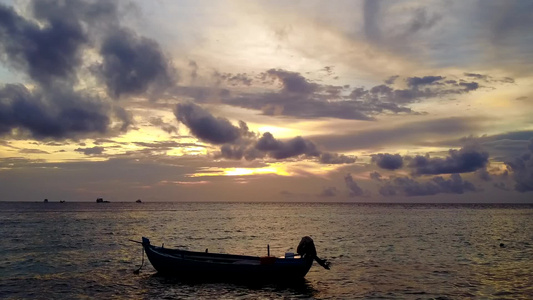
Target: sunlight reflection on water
80,250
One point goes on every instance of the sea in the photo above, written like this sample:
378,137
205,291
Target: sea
377,251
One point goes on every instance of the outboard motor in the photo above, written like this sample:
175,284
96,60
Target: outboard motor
306,248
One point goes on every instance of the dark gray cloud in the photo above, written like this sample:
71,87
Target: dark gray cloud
466,159
391,79
268,146
58,113
245,150
299,97
205,126
522,170
523,135
132,64
420,81
284,149
166,127
388,161
49,48
489,79
91,151
335,158
45,53
232,152
33,151
292,82
477,76
233,79
353,187
419,88
502,147
408,186
239,142
469,86
47,45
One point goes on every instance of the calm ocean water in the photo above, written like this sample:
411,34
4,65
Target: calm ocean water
81,250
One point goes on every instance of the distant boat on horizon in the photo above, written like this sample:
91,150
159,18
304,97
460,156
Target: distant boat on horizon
101,200
138,201
45,201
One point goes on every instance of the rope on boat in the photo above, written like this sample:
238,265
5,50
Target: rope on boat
142,260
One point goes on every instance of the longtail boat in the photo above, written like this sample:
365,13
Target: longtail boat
204,265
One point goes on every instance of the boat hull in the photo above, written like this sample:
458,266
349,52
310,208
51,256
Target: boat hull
199,265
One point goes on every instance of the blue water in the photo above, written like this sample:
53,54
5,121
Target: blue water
81,250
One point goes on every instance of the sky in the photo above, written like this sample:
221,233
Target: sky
285,101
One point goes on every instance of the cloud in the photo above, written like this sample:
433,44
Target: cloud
48,52
268,146
33,151
293,82
52,49
91,151
415,82
335,158
502,147
233,79
58,113
238,142
522,170
298,96
388,161
391,79
353,187
408,186
166,127
205,126
50,45
419,88
301,99
132,64
466,159
285,149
